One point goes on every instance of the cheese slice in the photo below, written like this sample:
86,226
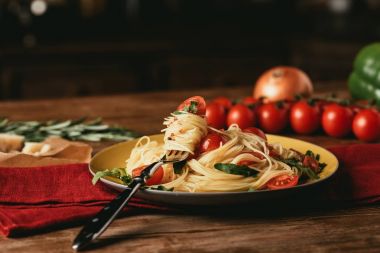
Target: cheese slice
11,142
36,148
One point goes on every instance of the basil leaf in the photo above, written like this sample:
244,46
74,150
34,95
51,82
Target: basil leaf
178,166
234,169
193,107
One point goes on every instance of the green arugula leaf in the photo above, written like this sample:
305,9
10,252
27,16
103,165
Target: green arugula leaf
234,169
118,173
162,188
316,157
304,171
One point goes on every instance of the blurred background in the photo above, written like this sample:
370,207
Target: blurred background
63,48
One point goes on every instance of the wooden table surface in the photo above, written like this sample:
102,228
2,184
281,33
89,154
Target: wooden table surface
298,227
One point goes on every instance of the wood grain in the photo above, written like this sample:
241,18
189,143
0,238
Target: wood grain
287,226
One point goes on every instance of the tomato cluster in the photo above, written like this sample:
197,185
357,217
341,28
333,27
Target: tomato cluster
303,116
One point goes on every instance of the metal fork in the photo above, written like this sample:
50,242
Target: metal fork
100,222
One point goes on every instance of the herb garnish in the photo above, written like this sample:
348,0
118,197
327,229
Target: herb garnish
304,171
193,107
70,129
118,173
316,157
234,169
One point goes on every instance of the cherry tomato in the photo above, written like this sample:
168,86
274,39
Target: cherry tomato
256,131
200,108
223,101
273,117
304,118
337,120
155,179
241,115
282,182
215,115
366,125
312,163
249,101
210,142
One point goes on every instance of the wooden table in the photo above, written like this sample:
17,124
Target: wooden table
301,229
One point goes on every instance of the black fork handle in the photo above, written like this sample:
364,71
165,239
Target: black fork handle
100,222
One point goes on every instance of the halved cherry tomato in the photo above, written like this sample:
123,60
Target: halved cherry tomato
200,105
215,115
241,115
256,131
282,182
223,101
210,142
155,179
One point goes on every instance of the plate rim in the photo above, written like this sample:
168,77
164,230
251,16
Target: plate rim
206,194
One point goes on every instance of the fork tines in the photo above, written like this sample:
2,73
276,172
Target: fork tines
176,155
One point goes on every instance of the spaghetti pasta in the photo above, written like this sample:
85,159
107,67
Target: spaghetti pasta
200,174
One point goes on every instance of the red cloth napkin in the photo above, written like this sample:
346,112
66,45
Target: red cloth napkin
358,176
32,199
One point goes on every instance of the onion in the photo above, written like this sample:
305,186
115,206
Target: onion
283,83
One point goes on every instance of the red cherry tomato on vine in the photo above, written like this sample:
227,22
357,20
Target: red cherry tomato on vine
366,125
210,142
249,101
273,117
200,105
305,118
337,120
256,131
155,179
215,115
282,182
241,115
223,101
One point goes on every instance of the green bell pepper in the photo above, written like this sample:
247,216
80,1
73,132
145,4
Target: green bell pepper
364,81
361,89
